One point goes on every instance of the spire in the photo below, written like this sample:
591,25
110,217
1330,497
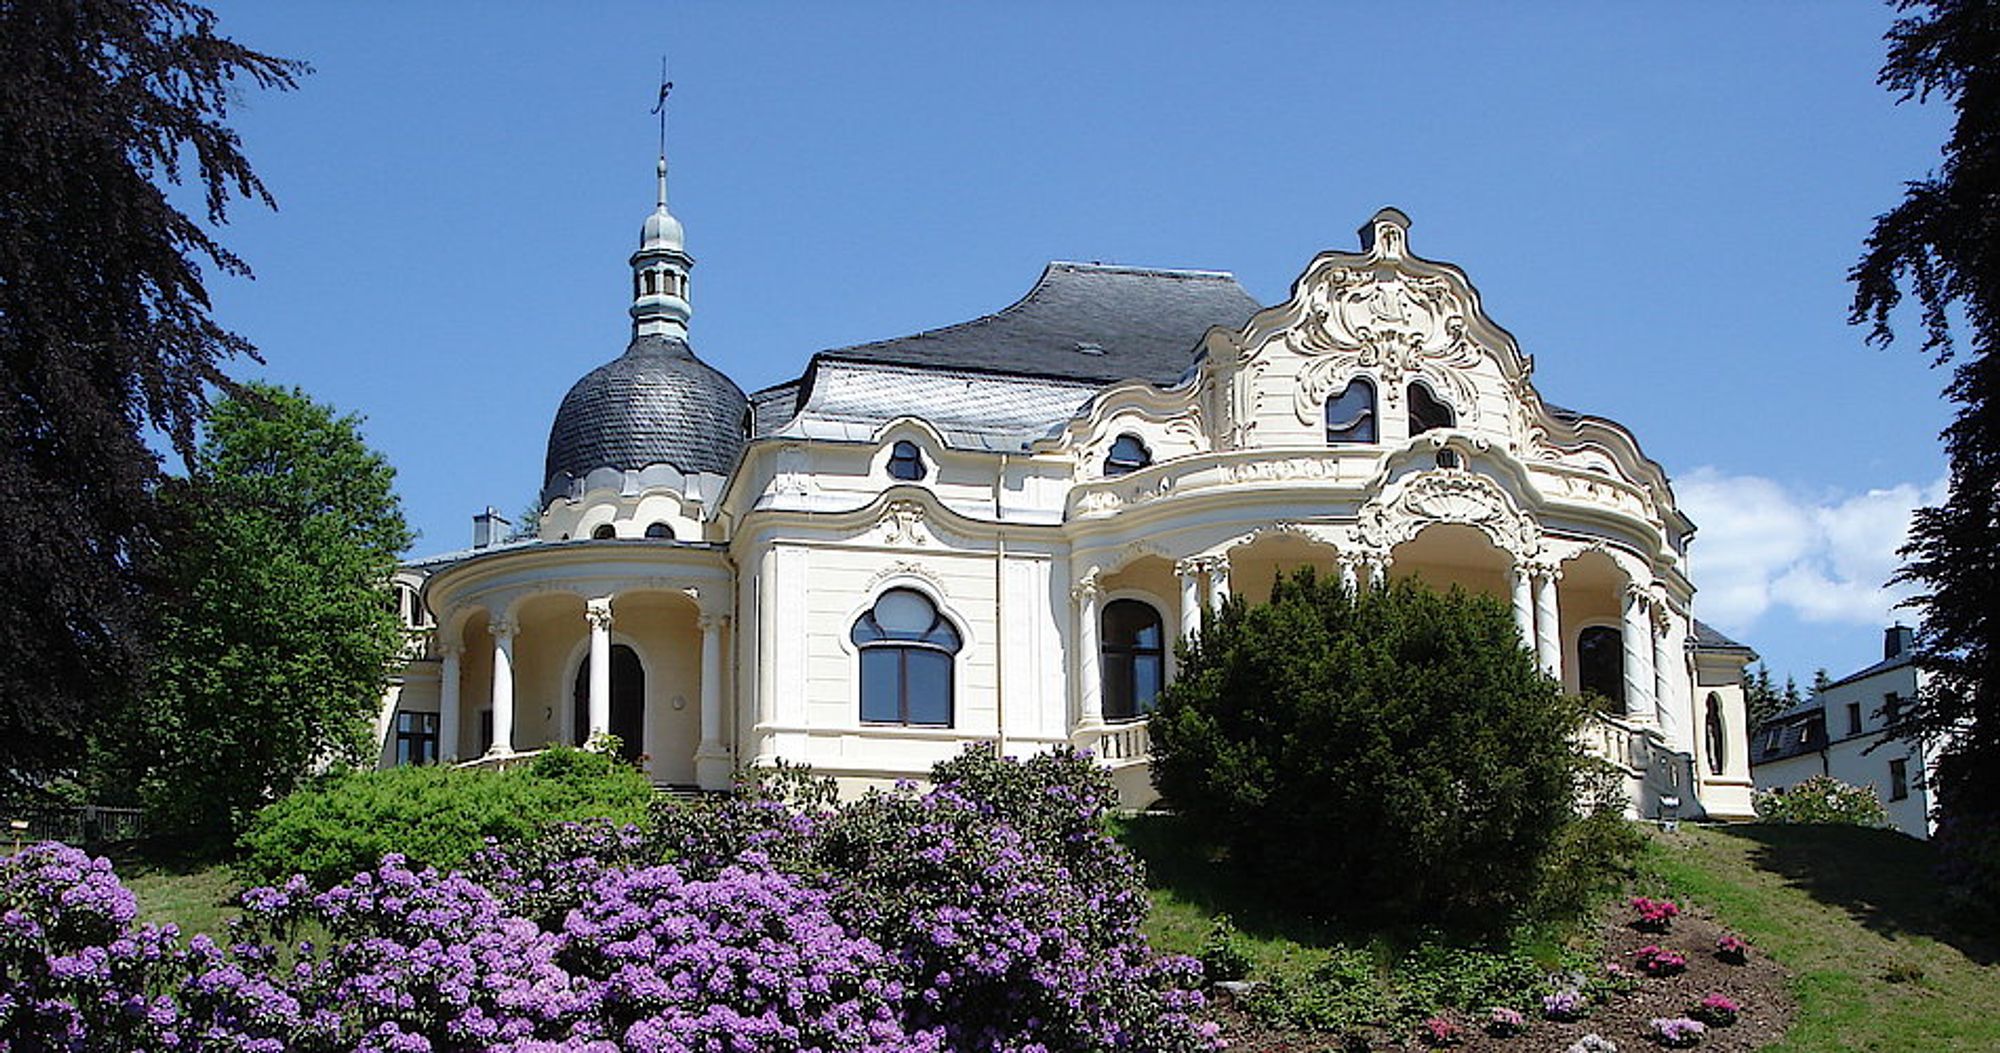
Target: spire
660,267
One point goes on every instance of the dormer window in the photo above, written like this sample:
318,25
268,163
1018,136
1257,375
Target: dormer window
906,462
604,532
1350,416
659,532
1128,454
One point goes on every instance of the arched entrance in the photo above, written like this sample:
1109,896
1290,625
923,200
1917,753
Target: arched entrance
628,702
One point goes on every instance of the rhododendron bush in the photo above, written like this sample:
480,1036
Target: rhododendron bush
991,913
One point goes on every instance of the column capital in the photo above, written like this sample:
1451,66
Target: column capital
1543,568
449,648
1190,567
1639,595
708,621
1086,588
503,628
598,612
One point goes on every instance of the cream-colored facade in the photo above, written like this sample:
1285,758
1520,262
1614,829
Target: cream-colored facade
1041,513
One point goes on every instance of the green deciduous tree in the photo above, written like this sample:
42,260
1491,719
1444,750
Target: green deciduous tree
104,330
1395,756
278,627
1942,242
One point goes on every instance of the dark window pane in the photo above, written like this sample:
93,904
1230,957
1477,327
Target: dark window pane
881,687
904,615
604,532
1119,696
660,532
1148,676
1600,662
1350,415
905,462
1426,412
1128,454
929,686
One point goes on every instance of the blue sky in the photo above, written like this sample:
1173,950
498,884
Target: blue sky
1660,202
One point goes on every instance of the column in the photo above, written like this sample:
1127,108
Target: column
1189,573
1218,580
1638,640
1665,698
1524,605
1378,570
1548,628
503,687
598,613
711,761
1089,668
1350,575
448,679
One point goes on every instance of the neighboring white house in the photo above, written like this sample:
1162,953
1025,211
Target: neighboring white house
995,531
1838,732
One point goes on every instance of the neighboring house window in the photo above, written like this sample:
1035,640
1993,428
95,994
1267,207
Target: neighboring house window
1717,741
1899,779
416,738
1600,663
1135,658
1427,412
1127,455
1892,708
1350,416
906,462
1854,718
660,532
906,646
604,532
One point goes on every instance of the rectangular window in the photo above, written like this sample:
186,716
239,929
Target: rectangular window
416,738
1891,708
1899,779
1854,718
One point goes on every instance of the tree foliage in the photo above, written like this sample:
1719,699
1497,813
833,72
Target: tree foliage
277,627
1942,243
1395,753
104,330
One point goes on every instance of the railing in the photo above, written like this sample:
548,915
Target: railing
419,644
500,761
1659,780
87,824
1121,744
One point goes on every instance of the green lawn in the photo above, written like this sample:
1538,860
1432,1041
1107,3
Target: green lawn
191,890
1857,918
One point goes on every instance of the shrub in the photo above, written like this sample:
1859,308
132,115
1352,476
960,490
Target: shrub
1395,754
1716,1010
1822,799
1566,1004
1732,949
1503,1022
432,815
1677,1032
1222,954
1654,915
1658,961
1438,1032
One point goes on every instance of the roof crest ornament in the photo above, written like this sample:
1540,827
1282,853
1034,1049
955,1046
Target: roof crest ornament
660,108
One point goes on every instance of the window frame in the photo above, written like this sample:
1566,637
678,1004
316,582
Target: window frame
1430,395
928,643
1899,778
1114,466
409,742
1369,420
1129,655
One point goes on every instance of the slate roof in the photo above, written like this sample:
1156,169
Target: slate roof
1883,666
655,404
1706,638
1087,322
1798,731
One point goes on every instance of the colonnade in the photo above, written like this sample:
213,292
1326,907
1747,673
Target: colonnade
598,619
1651,688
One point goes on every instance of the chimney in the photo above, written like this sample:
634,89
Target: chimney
489,528
1898,639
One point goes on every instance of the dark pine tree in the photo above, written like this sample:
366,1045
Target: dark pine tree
1942,243
105,330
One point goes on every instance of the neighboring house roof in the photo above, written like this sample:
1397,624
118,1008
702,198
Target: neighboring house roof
1088,322
1883,666
1799,730
1706,638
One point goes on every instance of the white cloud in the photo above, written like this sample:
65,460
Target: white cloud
1763,545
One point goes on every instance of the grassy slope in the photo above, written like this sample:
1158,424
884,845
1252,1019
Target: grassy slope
1856,917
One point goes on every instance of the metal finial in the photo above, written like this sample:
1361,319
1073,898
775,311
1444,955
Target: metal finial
660,108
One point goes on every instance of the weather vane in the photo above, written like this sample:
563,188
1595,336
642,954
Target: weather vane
660,105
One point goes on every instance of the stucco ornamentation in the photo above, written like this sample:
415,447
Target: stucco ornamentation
902,523
1326,467
1448,496
1386,323
904,568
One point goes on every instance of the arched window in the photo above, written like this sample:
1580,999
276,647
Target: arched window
906,646
1714,737
628,702
1135,658
906,462
1427,413
1350,416
1128,454
1600,664
659,532
604,532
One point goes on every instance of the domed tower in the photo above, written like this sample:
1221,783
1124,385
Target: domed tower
654,422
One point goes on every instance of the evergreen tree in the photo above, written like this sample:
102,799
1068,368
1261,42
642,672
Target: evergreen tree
1942,242
1821,681
104,331
279,627
1761,700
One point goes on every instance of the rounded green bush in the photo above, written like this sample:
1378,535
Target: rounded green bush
1394,756
433,815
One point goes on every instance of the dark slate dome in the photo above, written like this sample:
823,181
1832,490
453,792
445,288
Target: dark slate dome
654,404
